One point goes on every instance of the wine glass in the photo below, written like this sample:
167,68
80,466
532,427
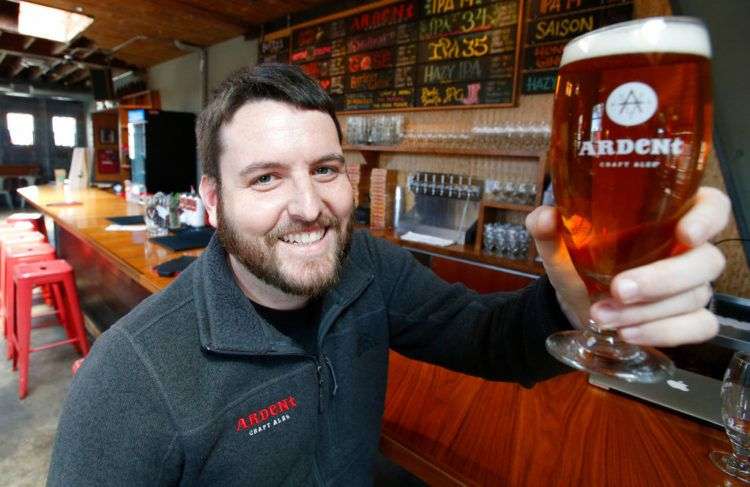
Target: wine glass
735,413
629,146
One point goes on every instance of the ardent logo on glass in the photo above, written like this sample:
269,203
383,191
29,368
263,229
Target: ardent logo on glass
631,104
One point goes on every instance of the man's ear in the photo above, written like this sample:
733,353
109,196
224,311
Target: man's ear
209,190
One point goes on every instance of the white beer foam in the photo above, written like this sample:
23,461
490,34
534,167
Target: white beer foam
684,35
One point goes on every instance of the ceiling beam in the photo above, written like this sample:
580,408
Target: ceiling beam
15,67
79,48
35,73
14,45
44,86
64,73
28,42
74,80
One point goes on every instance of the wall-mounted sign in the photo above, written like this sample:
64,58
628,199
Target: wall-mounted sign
414,54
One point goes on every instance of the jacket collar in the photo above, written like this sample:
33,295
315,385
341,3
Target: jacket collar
227,321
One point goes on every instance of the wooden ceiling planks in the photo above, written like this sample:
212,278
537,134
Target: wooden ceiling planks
162,21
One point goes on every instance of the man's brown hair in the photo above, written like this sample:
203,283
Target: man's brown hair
279,82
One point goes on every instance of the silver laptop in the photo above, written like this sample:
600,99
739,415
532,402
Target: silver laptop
687,392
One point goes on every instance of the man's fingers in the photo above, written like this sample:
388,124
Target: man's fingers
571,292
694,327
610,314
668,277
542,223
707,217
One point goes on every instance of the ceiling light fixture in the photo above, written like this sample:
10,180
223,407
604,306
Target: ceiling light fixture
50,23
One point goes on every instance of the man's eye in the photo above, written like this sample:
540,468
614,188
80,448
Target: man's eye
326,170
264,179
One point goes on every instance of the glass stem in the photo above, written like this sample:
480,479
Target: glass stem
606,343
740,457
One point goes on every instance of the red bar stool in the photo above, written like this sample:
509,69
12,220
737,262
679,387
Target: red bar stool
36,219
20,254
22,237
26,277
16,227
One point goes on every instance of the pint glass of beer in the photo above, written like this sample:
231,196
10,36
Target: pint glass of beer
631,133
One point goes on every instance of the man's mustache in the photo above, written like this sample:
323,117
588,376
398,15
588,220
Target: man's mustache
323,221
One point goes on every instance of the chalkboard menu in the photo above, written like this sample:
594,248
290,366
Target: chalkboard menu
413,54
550,24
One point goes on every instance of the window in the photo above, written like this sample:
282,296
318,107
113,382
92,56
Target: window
64,130
21,128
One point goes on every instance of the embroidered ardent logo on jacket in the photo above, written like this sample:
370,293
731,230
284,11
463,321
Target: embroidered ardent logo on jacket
266,417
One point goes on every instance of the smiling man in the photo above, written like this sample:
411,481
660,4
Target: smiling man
265,362
283,210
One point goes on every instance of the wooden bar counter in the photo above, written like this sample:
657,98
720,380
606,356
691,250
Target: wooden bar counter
448,428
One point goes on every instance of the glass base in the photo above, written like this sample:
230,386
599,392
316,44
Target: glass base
727,463
601,354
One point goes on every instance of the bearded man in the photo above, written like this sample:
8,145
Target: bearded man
265,362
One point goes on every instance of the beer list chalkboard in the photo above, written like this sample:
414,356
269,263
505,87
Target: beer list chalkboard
550,24
411,54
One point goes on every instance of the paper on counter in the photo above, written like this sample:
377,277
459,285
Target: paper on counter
125,228
426,239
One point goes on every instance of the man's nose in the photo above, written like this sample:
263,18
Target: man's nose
306,203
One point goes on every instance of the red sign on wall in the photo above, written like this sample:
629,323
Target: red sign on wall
107,161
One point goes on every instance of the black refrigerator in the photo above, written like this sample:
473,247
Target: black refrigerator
162,150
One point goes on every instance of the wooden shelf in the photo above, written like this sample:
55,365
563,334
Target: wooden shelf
507,206
464,252
530,155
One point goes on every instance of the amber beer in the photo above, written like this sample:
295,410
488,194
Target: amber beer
631,133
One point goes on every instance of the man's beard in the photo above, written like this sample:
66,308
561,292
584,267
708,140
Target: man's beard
258,255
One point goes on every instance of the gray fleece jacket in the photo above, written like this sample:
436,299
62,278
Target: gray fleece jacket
194,388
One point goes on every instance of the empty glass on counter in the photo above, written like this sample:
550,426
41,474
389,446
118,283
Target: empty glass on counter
511,192
378,130
524,136
508,240
513,136
156,215
735,412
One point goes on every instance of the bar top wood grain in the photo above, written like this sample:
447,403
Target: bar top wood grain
84,213
453,429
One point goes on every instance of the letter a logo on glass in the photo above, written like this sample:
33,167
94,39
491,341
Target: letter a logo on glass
631,104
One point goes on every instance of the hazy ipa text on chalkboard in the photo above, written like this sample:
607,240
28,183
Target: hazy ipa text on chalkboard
488,67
